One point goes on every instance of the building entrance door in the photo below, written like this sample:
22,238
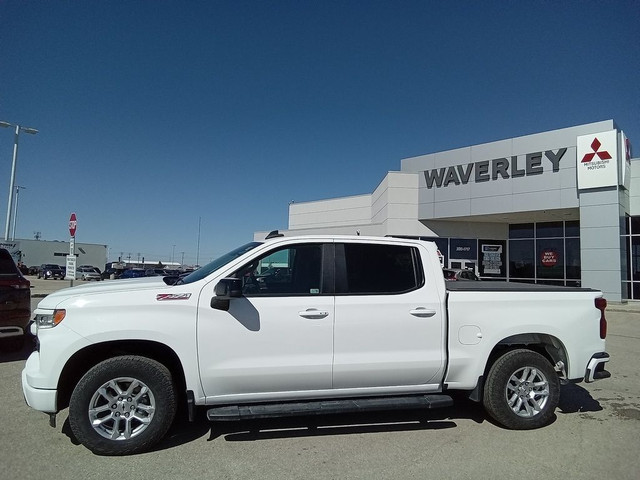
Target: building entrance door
462,264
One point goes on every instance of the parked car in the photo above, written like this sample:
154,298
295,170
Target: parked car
24,270
50,270
15,303
91,267
109,273
453,274
155,272
133,273
87,273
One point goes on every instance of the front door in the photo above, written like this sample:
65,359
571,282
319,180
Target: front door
278,337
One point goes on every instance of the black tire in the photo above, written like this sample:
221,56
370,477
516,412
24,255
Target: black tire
522,390
123,405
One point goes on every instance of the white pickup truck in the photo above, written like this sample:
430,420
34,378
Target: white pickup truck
306,325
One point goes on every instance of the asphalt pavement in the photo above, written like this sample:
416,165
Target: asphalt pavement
594,435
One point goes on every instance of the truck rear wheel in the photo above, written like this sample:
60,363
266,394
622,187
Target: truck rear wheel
522,390
123,405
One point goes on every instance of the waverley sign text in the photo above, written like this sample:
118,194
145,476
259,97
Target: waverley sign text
529,164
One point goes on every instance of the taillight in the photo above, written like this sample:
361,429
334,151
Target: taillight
601,304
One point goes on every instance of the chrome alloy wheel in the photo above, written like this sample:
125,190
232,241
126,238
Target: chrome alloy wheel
527,392
122,408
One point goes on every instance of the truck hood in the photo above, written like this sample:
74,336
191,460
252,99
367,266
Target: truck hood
107,286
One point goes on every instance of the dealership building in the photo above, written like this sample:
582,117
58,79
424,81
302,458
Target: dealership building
560,207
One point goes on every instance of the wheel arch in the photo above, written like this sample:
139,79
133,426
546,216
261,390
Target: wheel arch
83,360
545,344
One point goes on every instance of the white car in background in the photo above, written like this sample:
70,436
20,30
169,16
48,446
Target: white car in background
87,273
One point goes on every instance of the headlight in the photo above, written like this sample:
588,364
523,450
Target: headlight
50,320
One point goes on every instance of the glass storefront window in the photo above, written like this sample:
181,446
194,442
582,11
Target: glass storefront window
635,225
572,228
550,260
624,225
572,254
521,230
624,259
463,248
635,259
549,229
521,261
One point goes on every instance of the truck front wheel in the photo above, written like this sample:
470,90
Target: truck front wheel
122,405
522,390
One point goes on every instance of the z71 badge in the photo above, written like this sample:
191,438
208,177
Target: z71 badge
161,297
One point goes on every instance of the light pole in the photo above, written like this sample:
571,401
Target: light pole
15,211
12,182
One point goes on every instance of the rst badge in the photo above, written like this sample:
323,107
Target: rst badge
163,297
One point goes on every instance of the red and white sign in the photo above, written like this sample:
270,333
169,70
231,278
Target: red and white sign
73,224
549,258
597,160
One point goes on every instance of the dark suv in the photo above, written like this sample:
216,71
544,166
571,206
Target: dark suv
15,303
49,270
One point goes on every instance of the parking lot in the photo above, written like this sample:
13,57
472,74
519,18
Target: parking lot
595,435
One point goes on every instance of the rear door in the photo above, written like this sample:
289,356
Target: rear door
389,319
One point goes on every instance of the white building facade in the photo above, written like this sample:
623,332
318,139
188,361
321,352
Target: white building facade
38,252
559,207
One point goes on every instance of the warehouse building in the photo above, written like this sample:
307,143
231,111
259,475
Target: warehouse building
560,207
38,252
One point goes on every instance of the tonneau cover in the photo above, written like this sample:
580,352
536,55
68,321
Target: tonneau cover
493,286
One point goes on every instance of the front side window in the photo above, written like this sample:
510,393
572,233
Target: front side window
374,269
293,270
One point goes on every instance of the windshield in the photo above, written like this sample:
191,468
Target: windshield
219,262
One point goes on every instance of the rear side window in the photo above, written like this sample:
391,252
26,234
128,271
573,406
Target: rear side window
377,269
7,265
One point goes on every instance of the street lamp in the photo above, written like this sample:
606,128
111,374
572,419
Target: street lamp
12,182
15,211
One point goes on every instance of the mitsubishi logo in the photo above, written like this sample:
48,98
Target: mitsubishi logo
595,146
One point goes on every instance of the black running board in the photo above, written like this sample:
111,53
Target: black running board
323,407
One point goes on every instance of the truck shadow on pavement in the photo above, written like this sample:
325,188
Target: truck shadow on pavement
573,399
14,351
322,425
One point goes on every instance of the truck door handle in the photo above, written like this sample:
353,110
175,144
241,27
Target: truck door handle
422,312
313,313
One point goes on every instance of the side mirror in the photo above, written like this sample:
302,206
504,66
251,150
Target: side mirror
228,288
225,290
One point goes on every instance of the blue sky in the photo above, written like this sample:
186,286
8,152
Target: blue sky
153,115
